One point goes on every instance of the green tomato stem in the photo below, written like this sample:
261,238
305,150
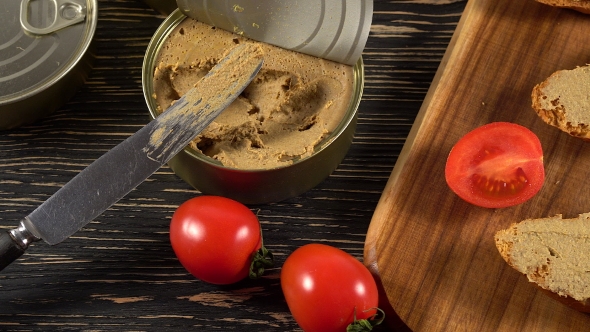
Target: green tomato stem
363,325
261,260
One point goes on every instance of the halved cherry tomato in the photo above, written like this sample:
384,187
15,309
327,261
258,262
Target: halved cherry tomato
496,165
327,288
218,240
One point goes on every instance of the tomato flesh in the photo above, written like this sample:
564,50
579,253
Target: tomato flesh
497,165
326,287
500,187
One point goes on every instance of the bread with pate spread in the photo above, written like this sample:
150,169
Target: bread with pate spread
579,5
554,254
563,101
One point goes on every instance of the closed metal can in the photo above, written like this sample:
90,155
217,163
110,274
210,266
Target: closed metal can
45,56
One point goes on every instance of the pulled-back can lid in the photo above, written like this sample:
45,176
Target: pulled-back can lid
336,30
40,42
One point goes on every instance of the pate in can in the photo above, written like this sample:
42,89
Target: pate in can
252,185
45,56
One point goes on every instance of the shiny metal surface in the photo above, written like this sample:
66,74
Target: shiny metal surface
128,164
336,30
44,56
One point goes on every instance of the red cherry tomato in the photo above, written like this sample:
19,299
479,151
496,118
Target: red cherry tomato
497,165
215,238
326,287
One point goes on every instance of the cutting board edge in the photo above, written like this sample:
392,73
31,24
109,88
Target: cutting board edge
375,226
369,255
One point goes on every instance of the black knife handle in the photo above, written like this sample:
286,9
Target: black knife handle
14,242
9,250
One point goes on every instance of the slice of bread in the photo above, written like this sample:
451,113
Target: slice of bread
563,101
579,5
554,254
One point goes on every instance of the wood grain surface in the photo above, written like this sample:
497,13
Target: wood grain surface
119,273
433,252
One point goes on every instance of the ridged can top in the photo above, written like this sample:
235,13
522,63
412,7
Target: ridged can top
336,30
40,41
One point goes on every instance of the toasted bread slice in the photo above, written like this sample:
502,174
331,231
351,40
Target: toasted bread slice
554,254
563,101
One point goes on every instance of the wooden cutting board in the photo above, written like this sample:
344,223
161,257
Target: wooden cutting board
433,252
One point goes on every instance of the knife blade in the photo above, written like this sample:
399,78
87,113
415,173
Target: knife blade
124,167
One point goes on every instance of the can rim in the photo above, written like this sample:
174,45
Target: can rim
148,66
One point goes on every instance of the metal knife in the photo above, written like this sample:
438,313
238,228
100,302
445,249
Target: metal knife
128,164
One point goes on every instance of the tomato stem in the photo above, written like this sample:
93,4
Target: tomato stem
261,260
362,325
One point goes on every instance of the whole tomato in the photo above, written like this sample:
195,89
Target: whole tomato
327,289
218,240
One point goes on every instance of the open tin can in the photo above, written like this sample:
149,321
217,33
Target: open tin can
44,56
254,186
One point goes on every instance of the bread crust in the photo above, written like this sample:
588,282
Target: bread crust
556,116
583,6
505,249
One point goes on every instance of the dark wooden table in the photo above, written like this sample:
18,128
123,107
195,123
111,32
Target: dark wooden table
119,273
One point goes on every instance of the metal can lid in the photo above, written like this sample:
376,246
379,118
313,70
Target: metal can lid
40,41
331,29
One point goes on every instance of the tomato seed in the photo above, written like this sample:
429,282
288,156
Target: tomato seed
500,187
